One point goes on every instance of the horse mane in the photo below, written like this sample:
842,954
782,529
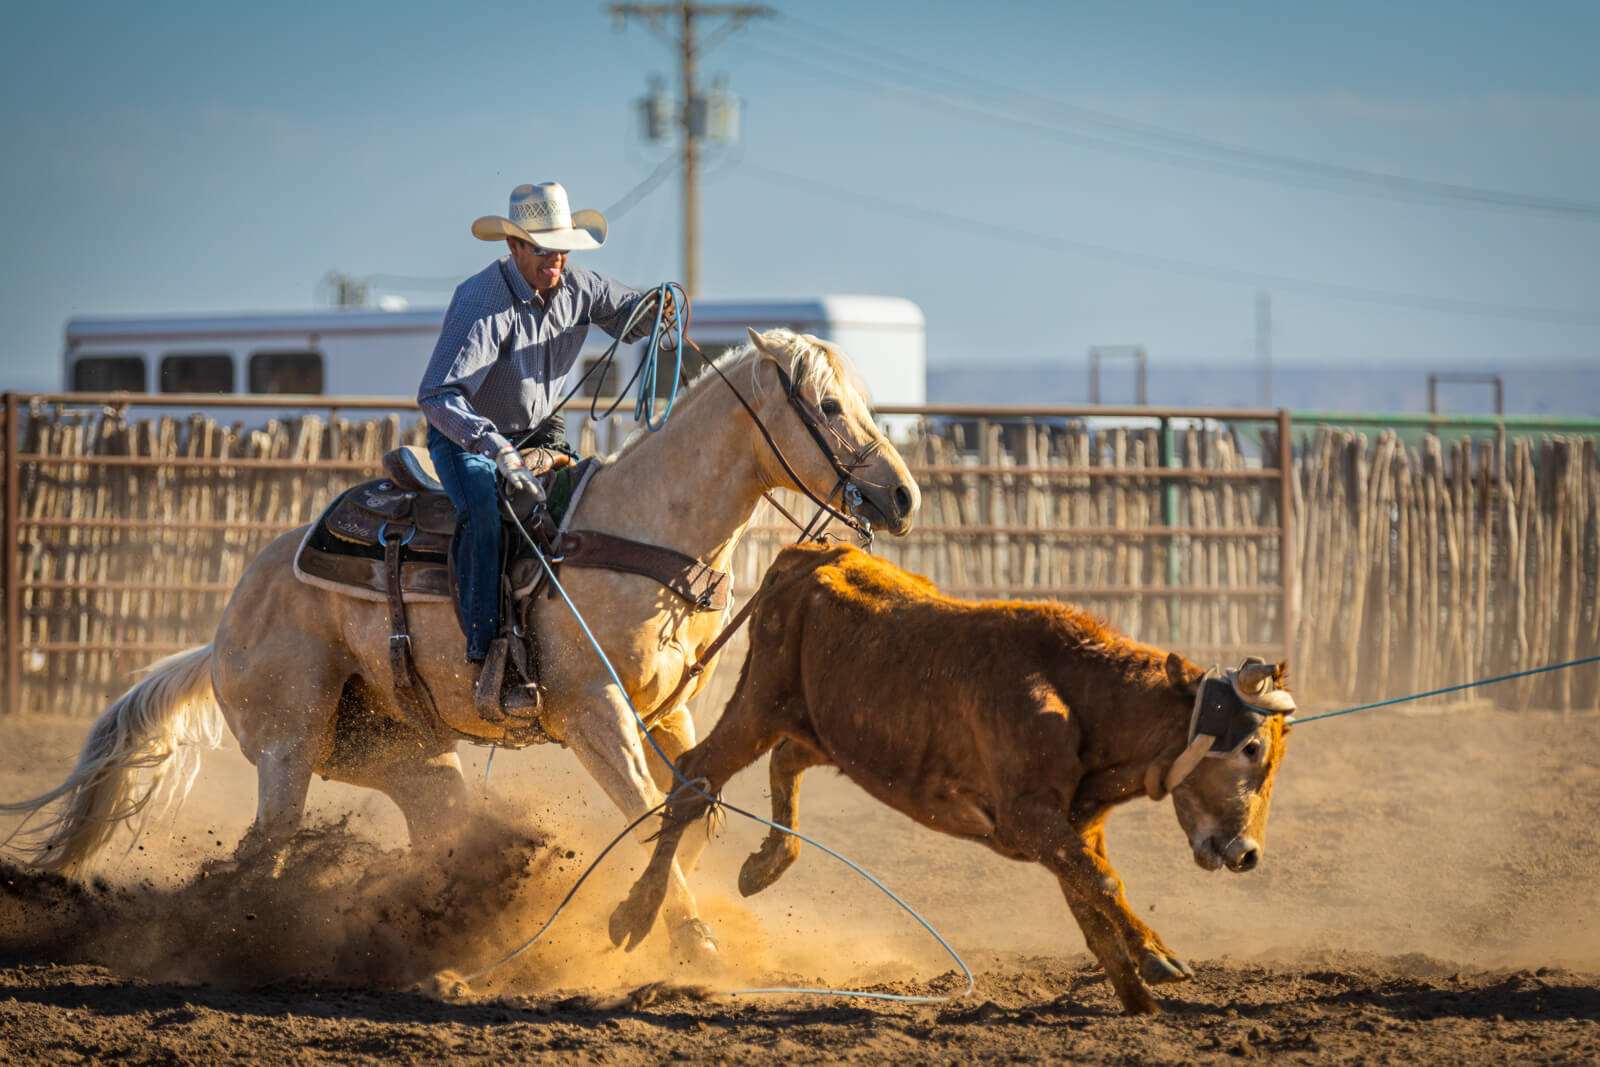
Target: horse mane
814,365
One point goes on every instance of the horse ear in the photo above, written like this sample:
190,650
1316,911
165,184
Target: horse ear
761,342
1183,675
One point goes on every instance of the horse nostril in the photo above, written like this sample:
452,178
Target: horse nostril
1248,861
902,501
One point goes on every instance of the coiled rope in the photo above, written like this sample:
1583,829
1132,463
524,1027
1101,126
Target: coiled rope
669,333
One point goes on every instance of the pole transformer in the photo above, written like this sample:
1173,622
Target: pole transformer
675,24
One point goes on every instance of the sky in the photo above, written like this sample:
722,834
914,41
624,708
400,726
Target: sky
1403,183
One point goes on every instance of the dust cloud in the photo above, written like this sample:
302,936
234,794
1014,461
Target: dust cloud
1459,835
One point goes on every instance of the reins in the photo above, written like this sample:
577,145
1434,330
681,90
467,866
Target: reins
808,532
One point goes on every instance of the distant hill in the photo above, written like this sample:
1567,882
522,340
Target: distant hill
1566,391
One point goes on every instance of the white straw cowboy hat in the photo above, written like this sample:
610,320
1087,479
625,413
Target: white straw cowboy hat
539,214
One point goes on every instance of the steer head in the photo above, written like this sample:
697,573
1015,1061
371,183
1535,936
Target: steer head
1222,785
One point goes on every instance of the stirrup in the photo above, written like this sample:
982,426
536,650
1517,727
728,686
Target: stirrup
521,700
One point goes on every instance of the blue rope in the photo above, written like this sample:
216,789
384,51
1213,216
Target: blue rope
646,373
1448,689
644,407
715,801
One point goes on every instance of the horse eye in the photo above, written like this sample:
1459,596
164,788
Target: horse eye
1252,751
831,407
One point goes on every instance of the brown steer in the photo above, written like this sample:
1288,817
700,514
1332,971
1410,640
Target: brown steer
1018,725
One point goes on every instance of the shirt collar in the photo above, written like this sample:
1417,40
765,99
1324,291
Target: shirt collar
519,285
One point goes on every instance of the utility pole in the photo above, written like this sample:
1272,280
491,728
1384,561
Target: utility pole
692,119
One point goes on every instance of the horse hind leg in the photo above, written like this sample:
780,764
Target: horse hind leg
283,778
778,852
422,776
284,736
431,793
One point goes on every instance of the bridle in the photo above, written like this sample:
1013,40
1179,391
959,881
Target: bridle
817,425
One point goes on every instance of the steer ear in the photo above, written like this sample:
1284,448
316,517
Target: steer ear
1183,675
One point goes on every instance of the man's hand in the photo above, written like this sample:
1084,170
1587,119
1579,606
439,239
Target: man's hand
669,312
544,460
518,478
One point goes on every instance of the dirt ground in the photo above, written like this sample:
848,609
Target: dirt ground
1428,893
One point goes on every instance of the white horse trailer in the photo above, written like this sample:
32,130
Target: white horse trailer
357,352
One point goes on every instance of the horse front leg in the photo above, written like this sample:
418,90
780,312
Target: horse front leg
605,738
675,735
738,740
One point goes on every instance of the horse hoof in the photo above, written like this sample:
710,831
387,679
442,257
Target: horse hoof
694,942
625,928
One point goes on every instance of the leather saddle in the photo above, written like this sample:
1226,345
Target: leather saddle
346,548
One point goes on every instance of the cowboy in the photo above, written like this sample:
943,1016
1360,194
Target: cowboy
510,338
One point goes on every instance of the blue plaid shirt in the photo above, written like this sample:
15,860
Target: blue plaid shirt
504,353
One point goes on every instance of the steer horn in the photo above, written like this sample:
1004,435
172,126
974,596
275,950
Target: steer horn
1254,676
1254,682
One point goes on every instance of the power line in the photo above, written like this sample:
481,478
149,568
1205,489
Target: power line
1162,263
1157,142
664,170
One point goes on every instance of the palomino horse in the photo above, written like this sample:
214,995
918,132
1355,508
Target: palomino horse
302,675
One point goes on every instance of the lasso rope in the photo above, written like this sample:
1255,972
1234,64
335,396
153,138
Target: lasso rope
648,369
693,786
1448,689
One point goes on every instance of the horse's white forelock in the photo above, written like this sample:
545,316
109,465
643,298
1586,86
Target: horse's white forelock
813,364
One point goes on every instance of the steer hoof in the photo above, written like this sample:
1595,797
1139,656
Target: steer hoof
1158,969
778,853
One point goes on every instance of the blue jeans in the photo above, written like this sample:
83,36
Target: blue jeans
469,479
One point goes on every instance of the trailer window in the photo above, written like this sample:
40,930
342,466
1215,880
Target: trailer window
286,372
107,374
197,374
601,383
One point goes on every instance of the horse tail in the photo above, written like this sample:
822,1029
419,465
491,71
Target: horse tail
140,758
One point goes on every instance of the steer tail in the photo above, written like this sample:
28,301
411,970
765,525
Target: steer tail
140,758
